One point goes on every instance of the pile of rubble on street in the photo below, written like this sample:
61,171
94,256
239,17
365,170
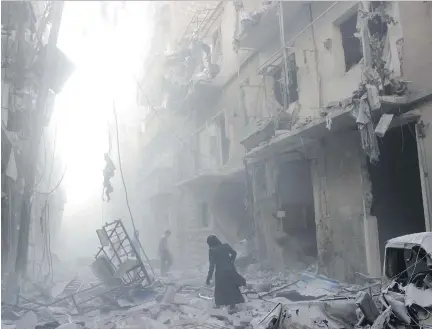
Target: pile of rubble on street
403,297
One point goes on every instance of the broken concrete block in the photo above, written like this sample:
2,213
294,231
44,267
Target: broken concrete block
245,319
169,295
181,300
383,124
367,306
219,313
165,316
48,325
398,308
150,323
106,324
382,319
71,325
262,287
28,321
190,310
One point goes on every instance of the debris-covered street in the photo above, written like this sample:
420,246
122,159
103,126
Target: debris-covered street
131,297
238,164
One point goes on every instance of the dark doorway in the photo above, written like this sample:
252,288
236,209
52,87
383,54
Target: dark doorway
396,187
229,207
295,194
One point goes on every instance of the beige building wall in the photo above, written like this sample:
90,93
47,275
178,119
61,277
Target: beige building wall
322,79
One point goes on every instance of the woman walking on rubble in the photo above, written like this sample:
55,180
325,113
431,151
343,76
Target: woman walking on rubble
227,280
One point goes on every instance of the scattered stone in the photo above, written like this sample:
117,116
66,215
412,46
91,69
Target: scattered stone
28,321
219,313
190,310
181,300
49,325
261,287
169,295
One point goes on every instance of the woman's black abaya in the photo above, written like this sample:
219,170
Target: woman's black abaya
227,279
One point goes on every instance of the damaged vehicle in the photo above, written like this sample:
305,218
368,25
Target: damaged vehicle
407,281
404,300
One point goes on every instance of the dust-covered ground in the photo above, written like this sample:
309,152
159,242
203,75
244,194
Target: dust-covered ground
181,299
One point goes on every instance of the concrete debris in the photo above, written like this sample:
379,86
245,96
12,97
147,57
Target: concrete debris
71,325
382,320
250,19
169,295
398,309
28,321
264,132
383,124
367,306
304,300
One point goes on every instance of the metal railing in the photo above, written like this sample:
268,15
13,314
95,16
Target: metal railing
201,23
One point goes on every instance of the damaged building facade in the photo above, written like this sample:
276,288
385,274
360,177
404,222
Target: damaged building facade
301,127
34,70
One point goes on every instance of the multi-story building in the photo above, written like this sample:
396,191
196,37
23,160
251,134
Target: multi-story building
302,126
33,71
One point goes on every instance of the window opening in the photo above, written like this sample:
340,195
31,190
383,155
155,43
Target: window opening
350,43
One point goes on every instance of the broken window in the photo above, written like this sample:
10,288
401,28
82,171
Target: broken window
204,214
350,43
286,95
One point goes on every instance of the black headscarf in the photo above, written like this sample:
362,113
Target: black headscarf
213,241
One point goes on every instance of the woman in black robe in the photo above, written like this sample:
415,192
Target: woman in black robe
227,280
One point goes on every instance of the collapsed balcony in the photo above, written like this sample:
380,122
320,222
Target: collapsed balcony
192,66
189,80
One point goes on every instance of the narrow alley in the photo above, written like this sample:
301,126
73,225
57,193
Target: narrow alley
238,164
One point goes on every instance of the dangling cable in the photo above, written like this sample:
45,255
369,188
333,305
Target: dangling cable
125,189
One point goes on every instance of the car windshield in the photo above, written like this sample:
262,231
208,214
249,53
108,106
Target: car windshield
405,263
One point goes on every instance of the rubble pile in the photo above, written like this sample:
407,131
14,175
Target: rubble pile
182,300
402,297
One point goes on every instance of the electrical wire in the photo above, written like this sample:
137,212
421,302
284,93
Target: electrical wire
125,189
53,156
45,152
43,229
48,234
45,162
55,188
